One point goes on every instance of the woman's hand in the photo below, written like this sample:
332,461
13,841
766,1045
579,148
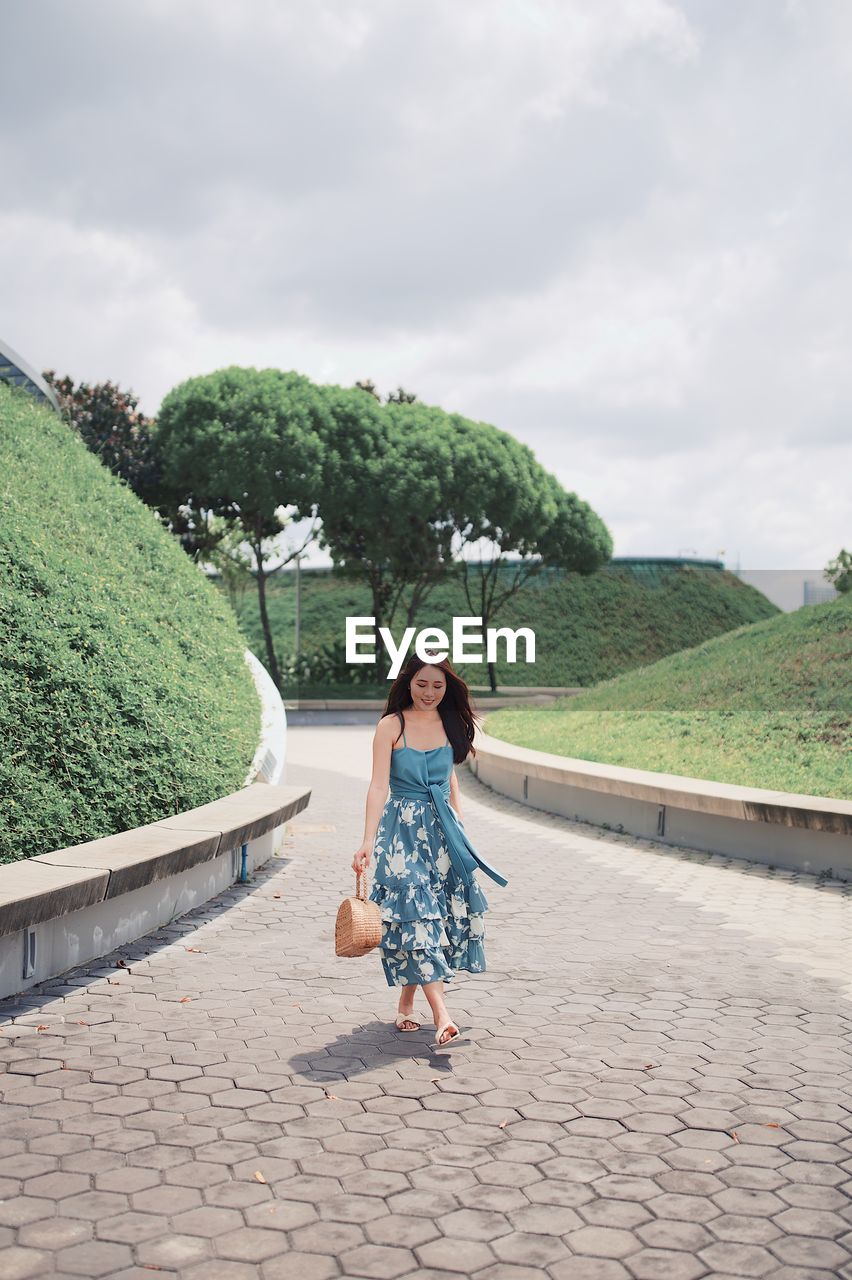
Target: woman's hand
361,859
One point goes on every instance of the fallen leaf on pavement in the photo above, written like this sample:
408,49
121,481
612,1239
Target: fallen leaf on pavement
259,1177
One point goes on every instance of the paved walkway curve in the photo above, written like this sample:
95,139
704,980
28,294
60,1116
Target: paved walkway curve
660,1086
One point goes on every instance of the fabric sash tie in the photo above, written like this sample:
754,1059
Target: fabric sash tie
463,856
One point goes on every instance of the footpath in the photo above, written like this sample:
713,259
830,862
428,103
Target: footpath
659,1084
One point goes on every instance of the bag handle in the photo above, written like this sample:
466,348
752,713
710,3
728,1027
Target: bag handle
361,889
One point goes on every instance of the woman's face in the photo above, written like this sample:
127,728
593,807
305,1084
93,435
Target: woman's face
428,688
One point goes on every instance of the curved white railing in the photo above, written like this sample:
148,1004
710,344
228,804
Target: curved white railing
269,763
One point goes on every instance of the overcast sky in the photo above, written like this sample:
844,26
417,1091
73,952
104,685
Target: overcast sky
619,229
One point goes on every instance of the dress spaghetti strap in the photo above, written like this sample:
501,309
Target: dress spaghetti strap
446,742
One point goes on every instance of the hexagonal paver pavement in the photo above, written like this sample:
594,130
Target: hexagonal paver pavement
658,1084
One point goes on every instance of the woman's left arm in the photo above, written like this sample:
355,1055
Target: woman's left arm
455,795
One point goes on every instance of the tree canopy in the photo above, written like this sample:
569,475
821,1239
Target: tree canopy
403,491
240,444
112,427
499,507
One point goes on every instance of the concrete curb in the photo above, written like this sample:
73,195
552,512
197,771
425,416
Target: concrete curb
68,907
797,832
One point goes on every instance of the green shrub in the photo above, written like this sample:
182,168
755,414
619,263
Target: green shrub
124,695
587,628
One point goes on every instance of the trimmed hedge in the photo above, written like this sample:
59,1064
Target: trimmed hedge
587,628
124,694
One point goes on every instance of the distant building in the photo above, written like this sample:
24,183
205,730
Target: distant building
818,592
789,588
15,370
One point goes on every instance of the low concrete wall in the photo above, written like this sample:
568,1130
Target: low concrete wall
83,935
371,708
796,832
66,908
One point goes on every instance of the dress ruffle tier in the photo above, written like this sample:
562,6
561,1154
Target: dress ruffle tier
433,924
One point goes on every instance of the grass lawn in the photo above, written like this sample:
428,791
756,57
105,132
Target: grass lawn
767,705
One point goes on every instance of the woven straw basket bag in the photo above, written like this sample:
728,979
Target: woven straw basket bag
358,928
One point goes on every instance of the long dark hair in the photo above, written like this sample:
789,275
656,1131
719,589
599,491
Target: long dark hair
457,715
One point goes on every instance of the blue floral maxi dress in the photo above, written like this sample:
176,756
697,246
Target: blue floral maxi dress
433,910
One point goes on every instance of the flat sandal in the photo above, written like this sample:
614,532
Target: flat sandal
458,1038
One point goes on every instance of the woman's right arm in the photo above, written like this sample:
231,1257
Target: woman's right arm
377,791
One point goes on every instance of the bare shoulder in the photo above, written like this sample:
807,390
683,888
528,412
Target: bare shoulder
388,727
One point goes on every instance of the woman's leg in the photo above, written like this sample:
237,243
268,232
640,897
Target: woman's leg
434,993
406,1002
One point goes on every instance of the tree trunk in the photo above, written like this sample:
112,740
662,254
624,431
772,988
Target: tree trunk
271,659
492,676
382,655
382,659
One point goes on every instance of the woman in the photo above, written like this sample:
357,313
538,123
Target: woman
432,906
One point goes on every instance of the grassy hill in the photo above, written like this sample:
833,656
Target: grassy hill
767,705
587,629
124,696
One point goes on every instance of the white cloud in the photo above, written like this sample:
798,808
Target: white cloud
618,230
